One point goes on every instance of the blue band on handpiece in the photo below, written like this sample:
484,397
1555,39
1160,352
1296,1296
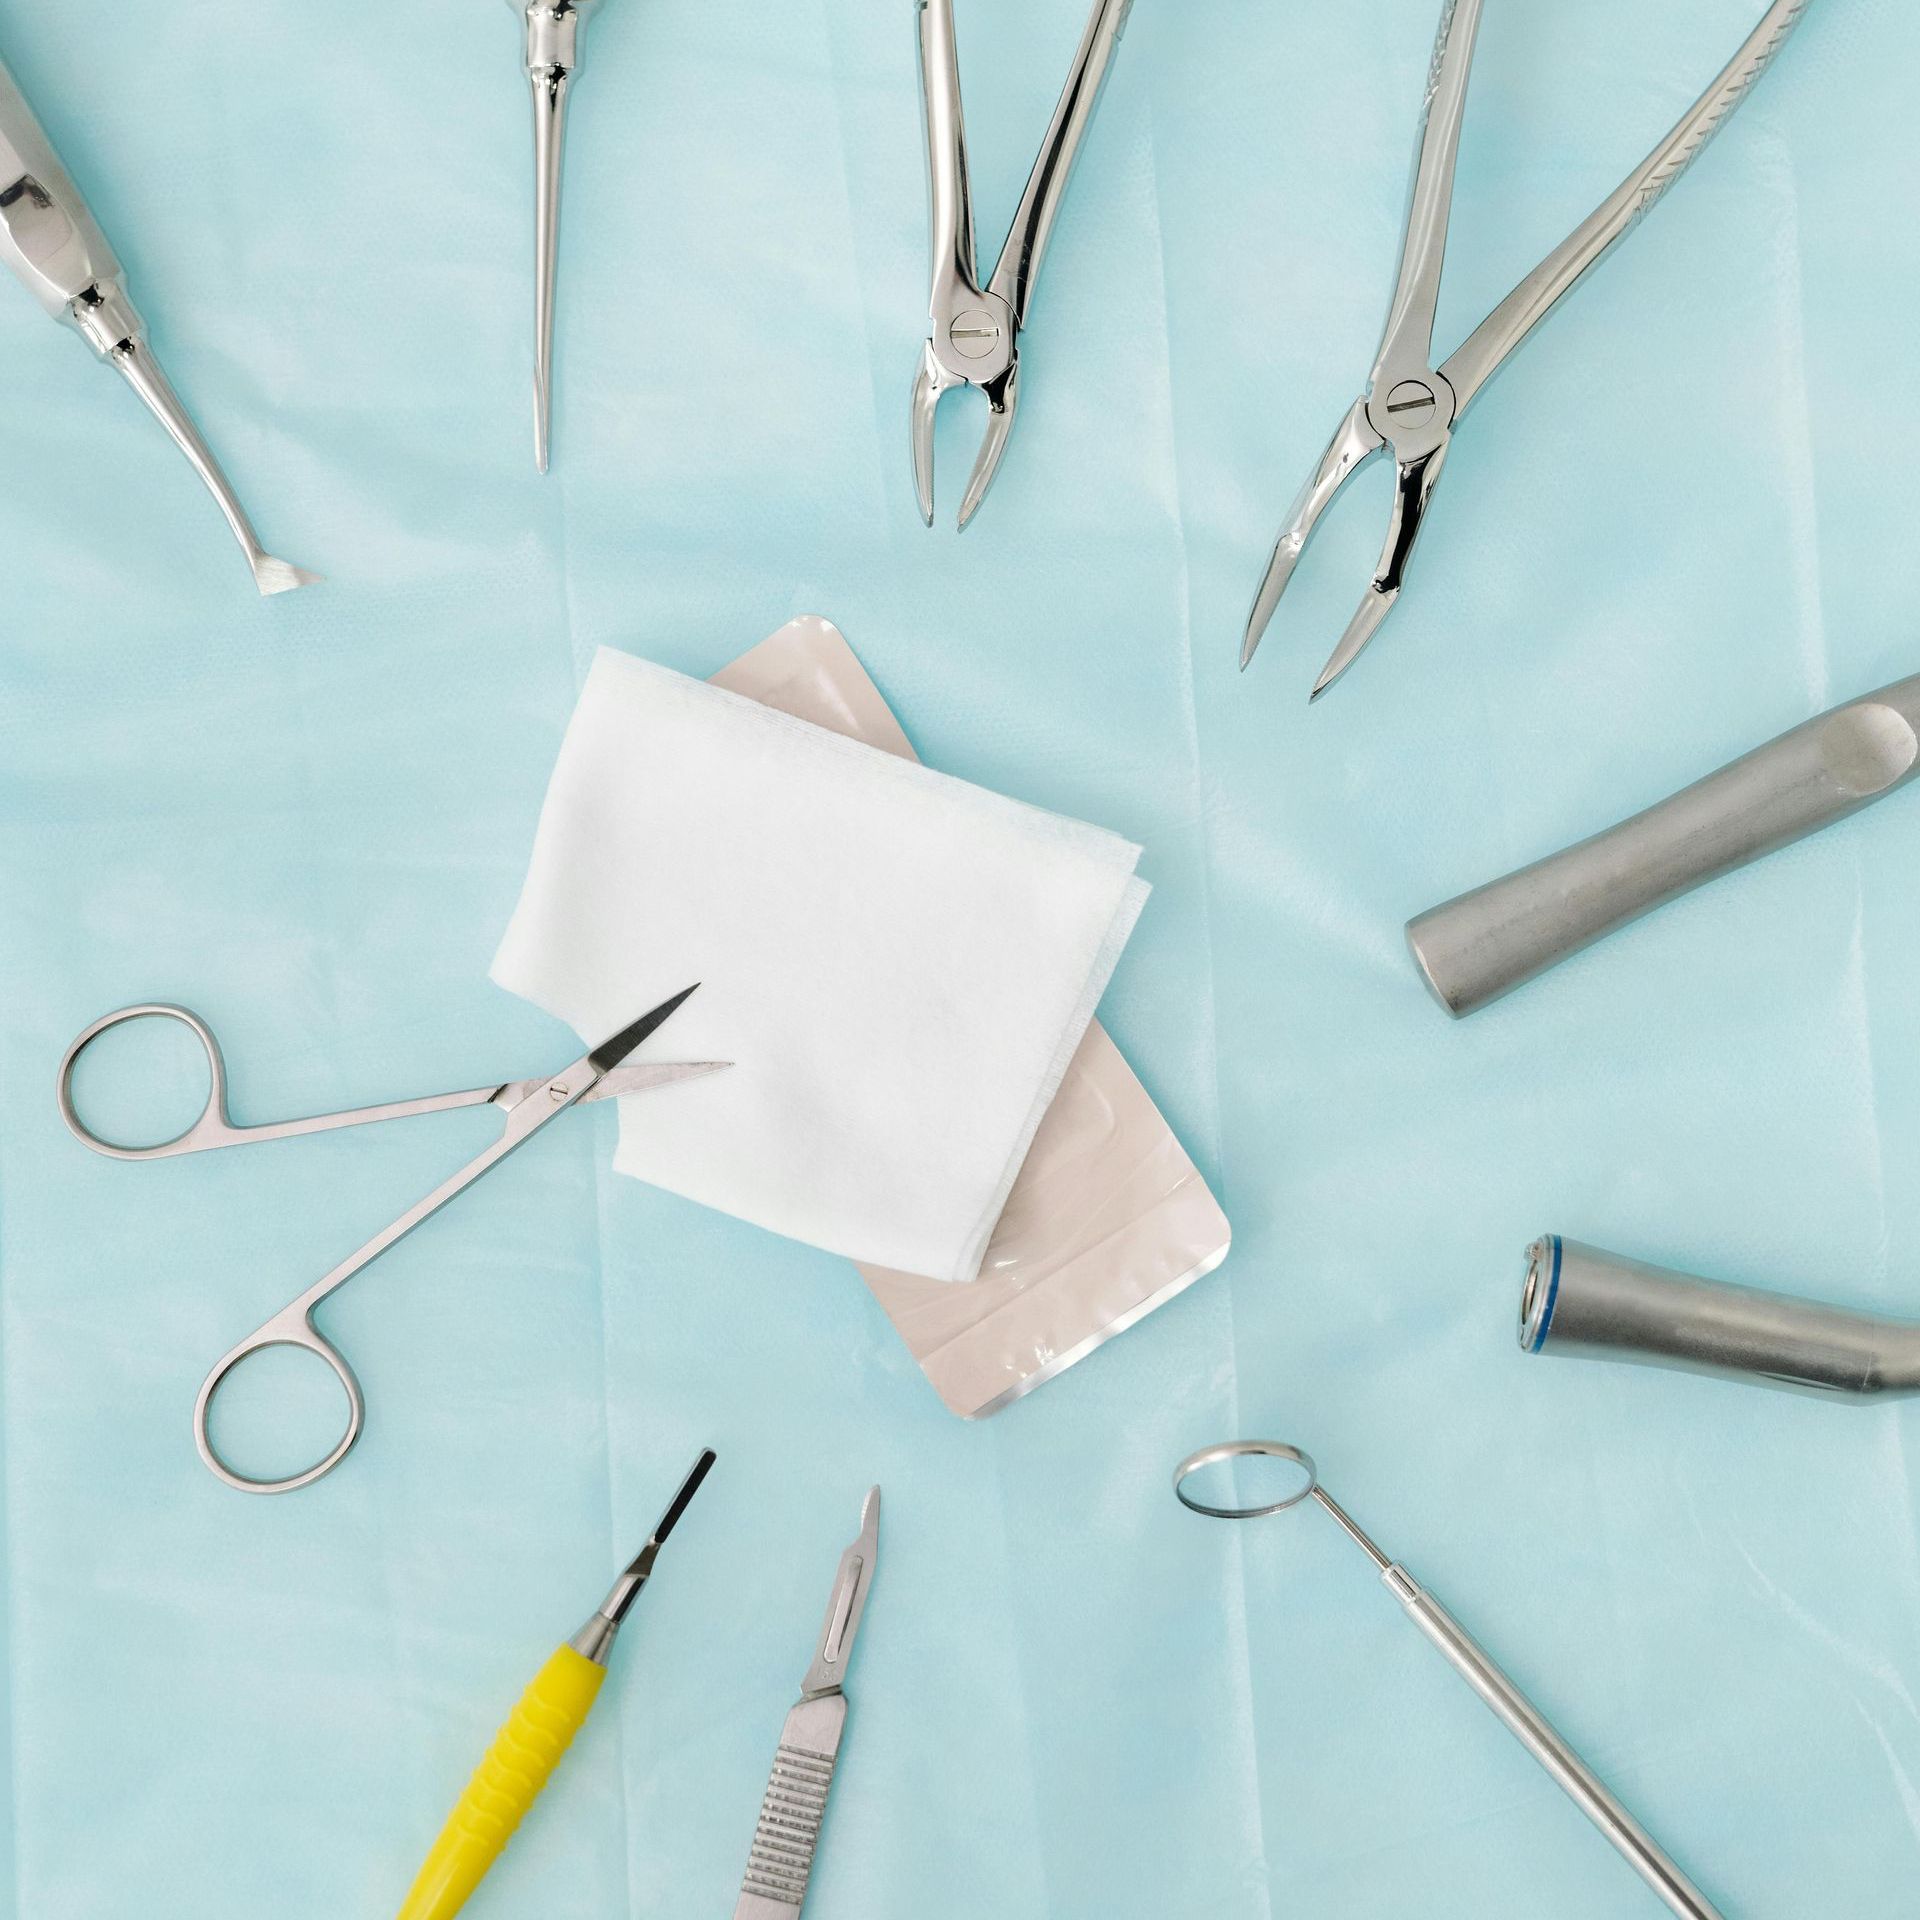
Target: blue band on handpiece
1553,1289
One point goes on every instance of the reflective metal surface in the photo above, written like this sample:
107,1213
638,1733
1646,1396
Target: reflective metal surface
787,1833
53,244
595,1640
1410,407
553,36
975,336
1581,1300
1474,1665
526,1106
1485,943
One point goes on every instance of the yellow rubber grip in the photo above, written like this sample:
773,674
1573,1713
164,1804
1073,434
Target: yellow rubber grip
505,1785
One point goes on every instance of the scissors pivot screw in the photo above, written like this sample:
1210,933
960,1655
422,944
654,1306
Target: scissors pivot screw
557,1093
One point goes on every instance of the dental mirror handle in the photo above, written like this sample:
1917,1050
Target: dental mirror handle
1527,1725
1481,945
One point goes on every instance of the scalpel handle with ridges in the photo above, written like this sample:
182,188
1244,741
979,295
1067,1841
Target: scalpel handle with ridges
506,1784
788,1831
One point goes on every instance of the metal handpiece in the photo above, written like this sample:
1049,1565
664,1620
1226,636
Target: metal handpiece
974,336
553,33
787,1834
1596,1305
54,246
1474,1665
1411,407
1481,945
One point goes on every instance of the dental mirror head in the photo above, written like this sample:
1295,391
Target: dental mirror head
1260,1476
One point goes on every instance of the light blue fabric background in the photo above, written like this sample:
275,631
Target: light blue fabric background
1681,523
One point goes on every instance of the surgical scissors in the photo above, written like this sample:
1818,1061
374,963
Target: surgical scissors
975,336
1410,408
53,244
553,57
527,1106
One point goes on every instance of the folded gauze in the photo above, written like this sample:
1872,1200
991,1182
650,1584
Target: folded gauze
899,964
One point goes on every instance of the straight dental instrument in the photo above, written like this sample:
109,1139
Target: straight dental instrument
553,30
53,244
1410,407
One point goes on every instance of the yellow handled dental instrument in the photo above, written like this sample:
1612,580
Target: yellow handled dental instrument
529,1746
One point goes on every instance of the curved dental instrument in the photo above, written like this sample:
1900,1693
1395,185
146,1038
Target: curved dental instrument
50,239
553,56
1474,948
526,1106
1410,408
1602,1306
1474,1665
528,1748
975,336
780,1862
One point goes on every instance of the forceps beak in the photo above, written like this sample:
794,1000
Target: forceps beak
1413,488
1354,443
930,383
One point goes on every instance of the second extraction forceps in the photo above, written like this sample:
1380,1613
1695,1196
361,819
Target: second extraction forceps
975,336
1467,1658
526,1107
1410,407
50,239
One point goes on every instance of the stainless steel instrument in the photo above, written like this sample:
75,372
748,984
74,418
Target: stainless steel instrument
1410,407
975,336
1483,944
553,32
54,246
787,1833
1602,1306
1473,1664
526,1106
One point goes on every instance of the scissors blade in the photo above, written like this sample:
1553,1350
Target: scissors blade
658,1073
849,1602
609,1053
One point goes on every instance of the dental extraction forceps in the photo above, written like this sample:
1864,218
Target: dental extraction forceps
527,1106
53,244
975,337
1410,408
1474,1665
553,56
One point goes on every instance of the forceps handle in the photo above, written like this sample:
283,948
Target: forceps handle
1534,1732
1477,947
949,192
1481,354
1019,263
